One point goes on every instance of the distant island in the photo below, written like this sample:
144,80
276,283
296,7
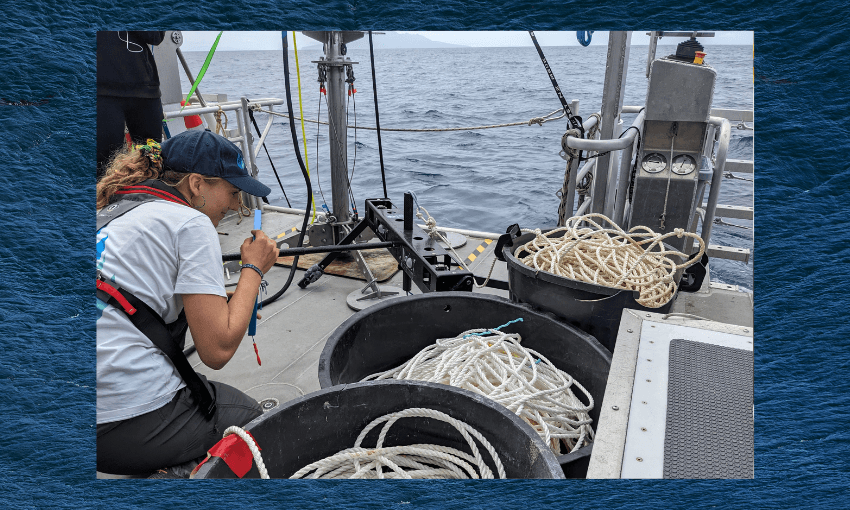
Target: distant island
394,40
243,41
384,40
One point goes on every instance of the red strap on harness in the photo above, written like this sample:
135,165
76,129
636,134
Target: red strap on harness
129,190
112,291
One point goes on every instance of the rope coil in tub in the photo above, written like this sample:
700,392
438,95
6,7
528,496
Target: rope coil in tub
418,461
494,364
610,257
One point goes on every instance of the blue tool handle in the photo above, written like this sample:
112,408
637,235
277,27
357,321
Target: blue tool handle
258,219
252,326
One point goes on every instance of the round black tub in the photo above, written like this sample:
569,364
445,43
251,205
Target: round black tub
592,308
325,422
388,334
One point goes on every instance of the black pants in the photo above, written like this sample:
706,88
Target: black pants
143,118
173,434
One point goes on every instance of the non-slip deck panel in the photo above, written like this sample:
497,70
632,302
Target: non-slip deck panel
709,430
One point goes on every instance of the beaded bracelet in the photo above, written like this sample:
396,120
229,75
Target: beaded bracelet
255,268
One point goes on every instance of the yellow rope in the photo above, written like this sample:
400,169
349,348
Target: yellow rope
610,257
219,128
301,113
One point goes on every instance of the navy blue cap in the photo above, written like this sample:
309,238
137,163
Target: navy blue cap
206,153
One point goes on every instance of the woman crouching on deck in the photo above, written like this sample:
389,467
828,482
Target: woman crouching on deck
159,267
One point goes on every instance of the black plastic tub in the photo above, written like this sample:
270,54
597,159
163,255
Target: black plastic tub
388,334
321,424
592,308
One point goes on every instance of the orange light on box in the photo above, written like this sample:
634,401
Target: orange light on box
698,56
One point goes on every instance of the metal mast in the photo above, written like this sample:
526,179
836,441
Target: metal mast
609,127
335,63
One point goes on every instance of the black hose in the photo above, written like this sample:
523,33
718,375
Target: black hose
377,117
251,114
331,248
279,293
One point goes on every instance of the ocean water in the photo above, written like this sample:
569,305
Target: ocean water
47,205
481,180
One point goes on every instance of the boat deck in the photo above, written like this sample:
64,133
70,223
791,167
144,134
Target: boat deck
293,330
677,389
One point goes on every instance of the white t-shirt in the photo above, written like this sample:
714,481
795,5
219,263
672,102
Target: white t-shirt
157,251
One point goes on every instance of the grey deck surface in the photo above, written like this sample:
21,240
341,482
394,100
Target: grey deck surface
293,330
709,432
660,400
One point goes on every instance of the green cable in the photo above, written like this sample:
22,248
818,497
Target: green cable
203,70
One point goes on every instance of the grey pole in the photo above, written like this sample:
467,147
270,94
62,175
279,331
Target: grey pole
717,177
189,75
625,174
612,102
251,159
337,129
570,193
246,148
653,45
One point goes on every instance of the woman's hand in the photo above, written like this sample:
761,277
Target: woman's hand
217,325
260,251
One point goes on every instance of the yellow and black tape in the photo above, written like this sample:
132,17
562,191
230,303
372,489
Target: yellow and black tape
477,252
294,229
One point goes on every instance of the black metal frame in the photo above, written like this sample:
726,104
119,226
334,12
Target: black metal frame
422,260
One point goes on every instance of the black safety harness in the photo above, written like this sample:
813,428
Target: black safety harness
169,338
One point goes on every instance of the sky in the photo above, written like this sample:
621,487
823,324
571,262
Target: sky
245,41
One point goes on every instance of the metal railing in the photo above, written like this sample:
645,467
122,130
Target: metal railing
615,203
231,106
243,136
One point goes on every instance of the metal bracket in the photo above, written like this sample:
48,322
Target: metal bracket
334,63
508,237
364,268
422,261
316,271
426,263
371,293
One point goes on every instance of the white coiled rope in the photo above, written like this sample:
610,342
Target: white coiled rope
252,445
494,364
418,461
610,257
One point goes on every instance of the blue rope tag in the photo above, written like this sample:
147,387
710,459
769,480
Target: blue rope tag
488,331
535,362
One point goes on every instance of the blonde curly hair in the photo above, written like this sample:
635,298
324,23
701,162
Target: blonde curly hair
132,165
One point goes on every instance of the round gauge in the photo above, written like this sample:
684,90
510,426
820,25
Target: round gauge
684,164
654,163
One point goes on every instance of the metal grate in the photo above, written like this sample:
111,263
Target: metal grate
709,412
